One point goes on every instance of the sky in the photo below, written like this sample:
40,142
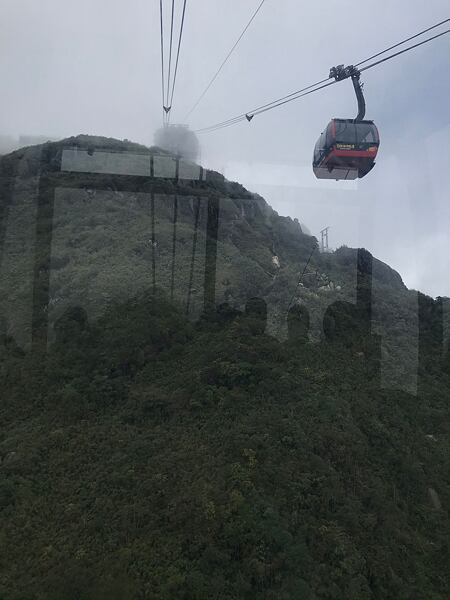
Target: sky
93,66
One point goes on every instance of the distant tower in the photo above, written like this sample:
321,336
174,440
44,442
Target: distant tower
324,242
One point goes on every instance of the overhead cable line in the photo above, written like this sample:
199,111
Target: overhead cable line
248,115
202,95
265,108
402,42
178,53
162,55
212,128
170,57
320,85
405,50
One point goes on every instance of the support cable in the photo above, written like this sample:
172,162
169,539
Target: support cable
216,74
178,54
405,50
167,107
402,42
162,55
318,86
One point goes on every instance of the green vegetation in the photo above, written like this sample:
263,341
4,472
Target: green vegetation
150,455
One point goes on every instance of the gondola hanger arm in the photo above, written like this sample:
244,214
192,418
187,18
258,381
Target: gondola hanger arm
339,73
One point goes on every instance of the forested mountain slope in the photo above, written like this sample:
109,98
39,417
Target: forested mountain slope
184,416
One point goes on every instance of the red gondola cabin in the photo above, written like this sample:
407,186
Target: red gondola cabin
346,149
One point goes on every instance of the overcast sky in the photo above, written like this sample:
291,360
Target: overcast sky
93,66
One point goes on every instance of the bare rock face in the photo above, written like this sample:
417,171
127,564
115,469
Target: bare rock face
276,261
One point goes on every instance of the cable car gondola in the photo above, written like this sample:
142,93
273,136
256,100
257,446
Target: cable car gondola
348,147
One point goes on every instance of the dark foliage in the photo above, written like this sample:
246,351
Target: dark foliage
148,456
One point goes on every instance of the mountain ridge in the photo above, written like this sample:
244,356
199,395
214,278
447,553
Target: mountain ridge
185,417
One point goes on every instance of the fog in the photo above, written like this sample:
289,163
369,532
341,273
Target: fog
178,140
94,67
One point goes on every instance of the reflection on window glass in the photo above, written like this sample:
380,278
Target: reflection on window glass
366,133
345,132
224,370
